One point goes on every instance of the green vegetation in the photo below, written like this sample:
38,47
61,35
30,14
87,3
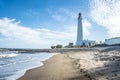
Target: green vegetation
57,46
101,42
71,45
52,47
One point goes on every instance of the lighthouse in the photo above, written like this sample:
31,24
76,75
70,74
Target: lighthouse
79,31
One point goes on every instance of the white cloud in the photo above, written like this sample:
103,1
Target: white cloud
37,38
32,13
107,14
62,14
13,31
86,27
10,28
59,17
69,13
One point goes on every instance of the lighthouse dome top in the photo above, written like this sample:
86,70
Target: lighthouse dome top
80,16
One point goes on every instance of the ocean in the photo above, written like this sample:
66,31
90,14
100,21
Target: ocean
13,64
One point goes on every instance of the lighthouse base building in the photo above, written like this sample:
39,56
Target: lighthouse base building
86,43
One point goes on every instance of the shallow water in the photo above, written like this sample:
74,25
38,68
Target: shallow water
13,64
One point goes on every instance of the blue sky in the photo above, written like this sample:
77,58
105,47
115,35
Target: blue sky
42,23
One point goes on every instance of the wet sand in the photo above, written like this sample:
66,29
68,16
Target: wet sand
59,67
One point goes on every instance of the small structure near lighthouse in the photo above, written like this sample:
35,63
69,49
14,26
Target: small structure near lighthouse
113,41
80,41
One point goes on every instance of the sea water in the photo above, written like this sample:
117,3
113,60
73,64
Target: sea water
13,65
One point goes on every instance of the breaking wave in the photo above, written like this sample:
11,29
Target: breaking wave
8,55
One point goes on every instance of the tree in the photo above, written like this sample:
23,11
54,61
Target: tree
89,44
70,45
101,42
52,47
59,46
83,45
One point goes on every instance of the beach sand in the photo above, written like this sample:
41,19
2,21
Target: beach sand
101,64
59,67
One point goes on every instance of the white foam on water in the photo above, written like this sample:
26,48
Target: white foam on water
20,73
8,55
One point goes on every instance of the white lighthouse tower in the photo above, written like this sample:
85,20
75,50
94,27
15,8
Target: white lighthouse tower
79,31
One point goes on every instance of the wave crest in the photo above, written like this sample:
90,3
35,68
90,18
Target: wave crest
7,55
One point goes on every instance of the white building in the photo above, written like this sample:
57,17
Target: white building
80,41
89,42
113,41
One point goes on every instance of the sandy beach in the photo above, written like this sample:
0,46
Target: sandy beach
101,64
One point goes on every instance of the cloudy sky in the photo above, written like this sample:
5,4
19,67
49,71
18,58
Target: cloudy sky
42,23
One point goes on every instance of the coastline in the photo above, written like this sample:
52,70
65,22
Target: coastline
91,64
58,67
37,62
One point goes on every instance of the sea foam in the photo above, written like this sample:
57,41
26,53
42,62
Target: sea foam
8,55
33,61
